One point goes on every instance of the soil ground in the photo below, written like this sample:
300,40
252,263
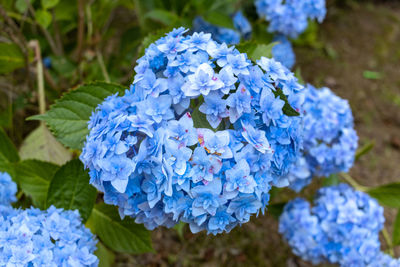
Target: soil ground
364,37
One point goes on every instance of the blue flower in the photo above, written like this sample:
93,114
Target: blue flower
219,34
283,51
145,153
343,227
53,237
8,189
290,17
242,24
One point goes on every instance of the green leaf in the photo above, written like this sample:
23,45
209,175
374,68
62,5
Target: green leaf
372,75
70,189
396,230
68,117
219,19
276,209
165,17
21,5
43,17
105,256
365,149
119,235
255,50
11,57
200,120
34,176
40,144
287,108
8,152
46,4
388,195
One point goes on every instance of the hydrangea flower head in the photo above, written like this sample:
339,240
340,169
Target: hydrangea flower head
204,148
44,238
290,17
343,227
8,189
330,141
283,51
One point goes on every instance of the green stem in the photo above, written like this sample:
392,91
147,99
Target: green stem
353,182
102,66
39,74
388,241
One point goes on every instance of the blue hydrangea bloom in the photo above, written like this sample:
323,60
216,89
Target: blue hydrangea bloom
8,189
219,34
45,238
330,141
242,24
290,17
146,154
283,51
343,227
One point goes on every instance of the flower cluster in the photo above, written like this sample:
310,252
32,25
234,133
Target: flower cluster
225,35
200,137
290,17
44,238
330,141
8,189
283,51
343,227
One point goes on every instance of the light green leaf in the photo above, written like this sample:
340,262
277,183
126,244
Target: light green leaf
396,230
388,195
106,257
40,144
11,57
43,17
46,4
372,75
34,176
21,5
256,50
70,189
165,17
333,179
219,19
119,235
68,117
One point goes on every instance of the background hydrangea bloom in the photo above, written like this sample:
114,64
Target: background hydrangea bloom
290,17
8,189
200,137
44,238
330,141
343,227
283,51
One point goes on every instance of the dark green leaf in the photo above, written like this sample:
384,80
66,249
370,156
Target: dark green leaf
34,176
396,230
119,235
11,57
287,108
40,144
365,149
43,17
68,117
106,257
151,38
256,50
388,195
8,152
200,120
165,17
219,19
70,189
49,3
276,209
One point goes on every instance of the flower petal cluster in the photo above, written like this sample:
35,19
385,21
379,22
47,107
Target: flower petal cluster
343,227
8,189
290,17
200,137
330,141
44,238
242,24
283,51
